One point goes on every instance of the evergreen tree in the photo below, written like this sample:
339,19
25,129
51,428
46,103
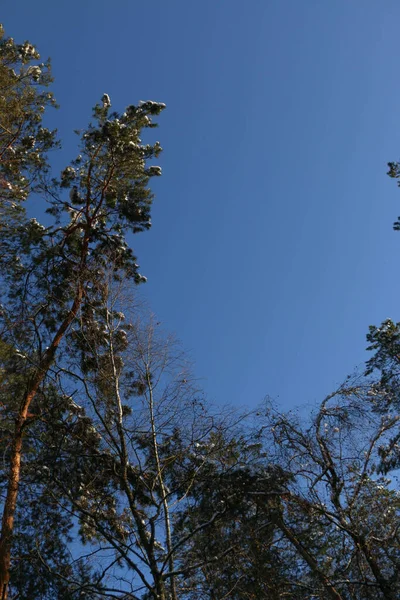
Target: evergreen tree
49,273
24,142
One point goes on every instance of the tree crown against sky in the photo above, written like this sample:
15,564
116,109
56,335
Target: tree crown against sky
265,508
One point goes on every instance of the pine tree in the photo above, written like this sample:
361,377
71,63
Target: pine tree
49,273
24,142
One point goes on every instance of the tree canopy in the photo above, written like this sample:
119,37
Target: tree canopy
119,479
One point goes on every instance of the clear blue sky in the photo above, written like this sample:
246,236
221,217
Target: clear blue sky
271,249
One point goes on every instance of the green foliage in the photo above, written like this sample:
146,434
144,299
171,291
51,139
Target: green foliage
384,341
232,500
52,277
24,142
108,195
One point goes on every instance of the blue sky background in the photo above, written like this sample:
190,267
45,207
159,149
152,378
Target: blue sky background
271,249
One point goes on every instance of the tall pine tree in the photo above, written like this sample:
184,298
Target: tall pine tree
49,273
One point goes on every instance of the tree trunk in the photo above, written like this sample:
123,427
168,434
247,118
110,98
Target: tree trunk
9,510
331,591
14,477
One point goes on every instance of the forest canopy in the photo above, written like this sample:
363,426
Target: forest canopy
119,479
